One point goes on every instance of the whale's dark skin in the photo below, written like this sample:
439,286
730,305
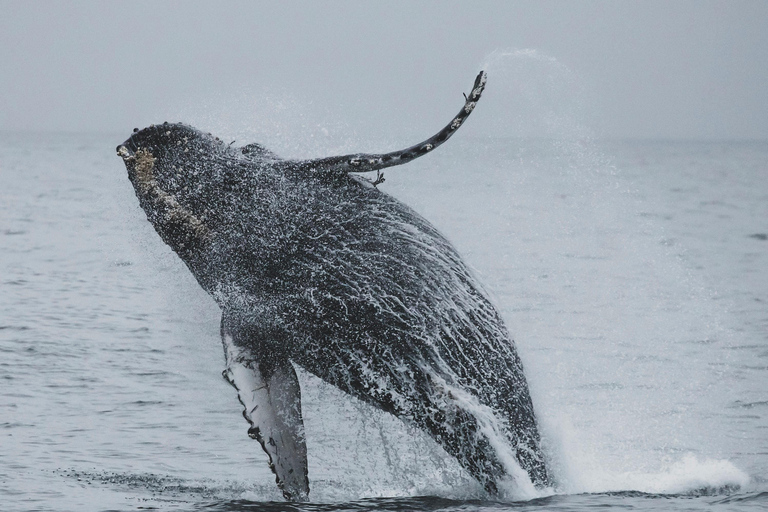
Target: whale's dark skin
314,266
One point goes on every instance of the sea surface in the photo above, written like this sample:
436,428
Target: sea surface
633,276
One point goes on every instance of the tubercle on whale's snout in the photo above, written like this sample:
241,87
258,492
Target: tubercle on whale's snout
124,153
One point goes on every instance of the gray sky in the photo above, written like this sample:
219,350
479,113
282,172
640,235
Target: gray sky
688,69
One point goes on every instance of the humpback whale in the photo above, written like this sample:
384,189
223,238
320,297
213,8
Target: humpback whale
313,265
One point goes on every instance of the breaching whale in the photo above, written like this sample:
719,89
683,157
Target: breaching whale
314,266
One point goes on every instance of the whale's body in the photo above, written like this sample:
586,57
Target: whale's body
317,267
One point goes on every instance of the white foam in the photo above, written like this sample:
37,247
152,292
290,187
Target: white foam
687,474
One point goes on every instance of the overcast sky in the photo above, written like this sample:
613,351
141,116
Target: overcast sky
687,69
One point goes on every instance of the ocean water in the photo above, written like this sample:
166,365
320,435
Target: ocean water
633,276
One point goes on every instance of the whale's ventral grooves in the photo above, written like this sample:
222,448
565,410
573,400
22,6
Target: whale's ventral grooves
312,266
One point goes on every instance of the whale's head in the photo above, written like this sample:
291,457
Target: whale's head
174,157
178,173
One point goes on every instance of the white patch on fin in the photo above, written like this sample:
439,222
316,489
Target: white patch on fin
272,406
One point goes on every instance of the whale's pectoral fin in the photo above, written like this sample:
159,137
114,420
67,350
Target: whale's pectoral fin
271,397
336,166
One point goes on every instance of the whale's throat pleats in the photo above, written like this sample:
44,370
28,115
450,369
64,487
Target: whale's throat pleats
269,391
177,225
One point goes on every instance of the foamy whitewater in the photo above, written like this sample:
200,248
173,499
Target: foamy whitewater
633,276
